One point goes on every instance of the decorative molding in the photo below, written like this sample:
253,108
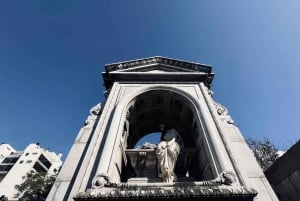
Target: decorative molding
100,181
190,191
221,110
159,60
223,185
96,109
227,178
94,113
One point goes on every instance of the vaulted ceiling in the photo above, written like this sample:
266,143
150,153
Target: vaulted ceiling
161,107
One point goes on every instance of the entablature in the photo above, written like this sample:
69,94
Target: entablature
157,69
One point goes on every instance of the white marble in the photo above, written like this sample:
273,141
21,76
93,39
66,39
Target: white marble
142,95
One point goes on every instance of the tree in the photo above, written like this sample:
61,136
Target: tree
3,198
264,151
35,187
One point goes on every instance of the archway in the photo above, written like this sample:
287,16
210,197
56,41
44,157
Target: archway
155,107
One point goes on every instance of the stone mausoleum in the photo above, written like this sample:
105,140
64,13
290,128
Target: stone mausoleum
201,154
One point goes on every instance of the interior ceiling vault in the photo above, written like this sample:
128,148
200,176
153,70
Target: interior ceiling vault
160,107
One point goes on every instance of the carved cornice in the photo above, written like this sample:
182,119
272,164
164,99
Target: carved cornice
159,60
190,191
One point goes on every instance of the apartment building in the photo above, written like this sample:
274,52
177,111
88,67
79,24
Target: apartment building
14,165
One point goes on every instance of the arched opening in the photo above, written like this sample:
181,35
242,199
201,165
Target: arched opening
144,116
156,107
152,138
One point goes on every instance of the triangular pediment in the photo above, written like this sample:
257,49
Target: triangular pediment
157,69
157,64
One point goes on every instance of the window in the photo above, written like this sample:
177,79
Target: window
39,168
44,161
5,167
10,160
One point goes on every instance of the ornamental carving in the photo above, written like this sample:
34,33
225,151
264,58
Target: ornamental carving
221,110
101,180
159,60
94,113
187,191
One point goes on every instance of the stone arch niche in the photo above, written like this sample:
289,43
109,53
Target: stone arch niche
214,162
207,148
146,113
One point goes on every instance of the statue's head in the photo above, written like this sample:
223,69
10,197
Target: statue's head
162,127
169,135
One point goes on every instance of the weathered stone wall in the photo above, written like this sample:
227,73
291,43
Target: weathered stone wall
284,175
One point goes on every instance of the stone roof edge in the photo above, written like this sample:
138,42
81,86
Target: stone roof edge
158,60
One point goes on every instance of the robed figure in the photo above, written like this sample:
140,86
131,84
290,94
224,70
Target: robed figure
167,152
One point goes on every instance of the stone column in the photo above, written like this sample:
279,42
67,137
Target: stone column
221,159
110,153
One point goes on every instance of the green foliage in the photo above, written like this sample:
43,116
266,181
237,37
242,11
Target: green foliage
35,187
3,198
264,151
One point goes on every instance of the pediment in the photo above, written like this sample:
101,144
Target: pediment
157,69
157,65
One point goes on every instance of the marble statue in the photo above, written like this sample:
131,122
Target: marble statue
167,152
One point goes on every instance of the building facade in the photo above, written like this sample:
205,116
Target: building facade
201,156
5,150
284,174
16,164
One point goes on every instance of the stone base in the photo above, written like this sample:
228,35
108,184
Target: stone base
138,180
177,192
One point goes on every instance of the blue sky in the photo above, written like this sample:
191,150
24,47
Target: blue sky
52,54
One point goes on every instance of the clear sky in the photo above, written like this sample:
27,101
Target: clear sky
52,54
